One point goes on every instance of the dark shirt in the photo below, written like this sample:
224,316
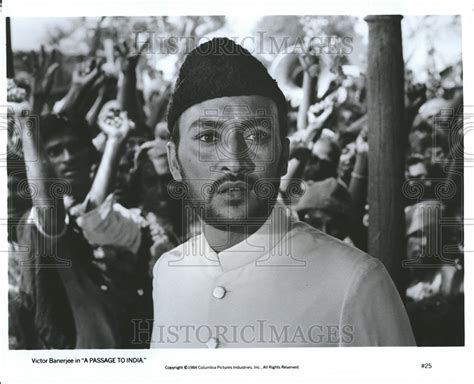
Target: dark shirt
68,298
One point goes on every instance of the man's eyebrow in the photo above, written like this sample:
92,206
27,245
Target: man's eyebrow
205,123
53,144
215,123
262,120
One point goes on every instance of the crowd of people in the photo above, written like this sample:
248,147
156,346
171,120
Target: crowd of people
92,203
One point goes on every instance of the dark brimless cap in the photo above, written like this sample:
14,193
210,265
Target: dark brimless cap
222,68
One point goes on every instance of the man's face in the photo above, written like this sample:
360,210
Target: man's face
70,158
153,187
322,164
416,245
323,150
417,171
347,161
231,157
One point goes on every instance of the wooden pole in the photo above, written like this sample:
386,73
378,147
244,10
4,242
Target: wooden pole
10,68
387,141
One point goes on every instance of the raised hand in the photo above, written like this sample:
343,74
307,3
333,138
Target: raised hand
43,67
416,95
318,114
127,92
86,73
84,77
114,122
128,59
362,145
15,94
317,117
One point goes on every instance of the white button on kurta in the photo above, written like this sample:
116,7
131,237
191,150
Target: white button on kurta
219,292
291,285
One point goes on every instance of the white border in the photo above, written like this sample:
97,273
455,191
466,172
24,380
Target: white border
352,364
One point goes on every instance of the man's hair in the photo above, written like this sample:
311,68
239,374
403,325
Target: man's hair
335,153
55,124
415,159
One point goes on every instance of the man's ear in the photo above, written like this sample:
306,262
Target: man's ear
285,154
173,161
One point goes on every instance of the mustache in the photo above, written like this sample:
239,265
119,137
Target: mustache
262,188
233,178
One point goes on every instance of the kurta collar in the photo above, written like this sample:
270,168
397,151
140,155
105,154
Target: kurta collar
257,245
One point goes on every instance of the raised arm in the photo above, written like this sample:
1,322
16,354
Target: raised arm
93,112
358,189
127,95
116,125
157,106
83,77
103,221
303,140
42,181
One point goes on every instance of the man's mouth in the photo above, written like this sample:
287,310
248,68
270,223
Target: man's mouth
70,173
233,187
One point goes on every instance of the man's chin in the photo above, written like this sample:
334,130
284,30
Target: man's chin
229,214
75,178
235,214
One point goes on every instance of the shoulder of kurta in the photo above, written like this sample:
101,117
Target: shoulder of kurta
172,255
374,310
370,272
322,252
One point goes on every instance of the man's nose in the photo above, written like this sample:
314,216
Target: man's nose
236,155
67,155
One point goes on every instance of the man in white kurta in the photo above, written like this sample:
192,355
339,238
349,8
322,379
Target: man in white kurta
255,277
288,285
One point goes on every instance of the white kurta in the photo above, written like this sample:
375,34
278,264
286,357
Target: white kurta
287,285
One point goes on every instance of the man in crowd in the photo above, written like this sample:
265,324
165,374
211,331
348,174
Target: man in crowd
255,277
82,274
327,206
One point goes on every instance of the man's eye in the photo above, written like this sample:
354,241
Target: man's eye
257,136
209,137
75,148
54,152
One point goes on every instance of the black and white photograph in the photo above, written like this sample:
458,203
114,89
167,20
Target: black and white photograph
255,181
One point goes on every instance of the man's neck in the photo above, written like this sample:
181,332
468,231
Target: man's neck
226,236
80,191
